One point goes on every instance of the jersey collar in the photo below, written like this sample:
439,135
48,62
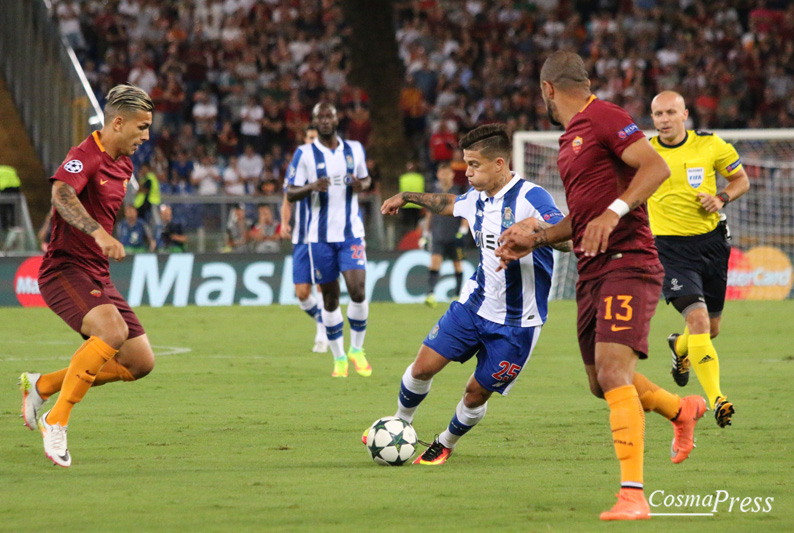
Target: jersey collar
324,148
509,185
589,101
95,135
682,143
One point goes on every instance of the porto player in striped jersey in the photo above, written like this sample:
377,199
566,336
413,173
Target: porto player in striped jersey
609,170
324,179
87,192
499,315
301,267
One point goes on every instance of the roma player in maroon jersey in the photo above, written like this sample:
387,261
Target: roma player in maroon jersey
609,170
87,192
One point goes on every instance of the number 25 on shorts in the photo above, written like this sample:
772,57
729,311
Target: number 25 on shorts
623,311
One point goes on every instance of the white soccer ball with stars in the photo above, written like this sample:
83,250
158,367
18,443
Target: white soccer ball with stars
391,441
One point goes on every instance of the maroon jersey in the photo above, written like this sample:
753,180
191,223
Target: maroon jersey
594,176
100,183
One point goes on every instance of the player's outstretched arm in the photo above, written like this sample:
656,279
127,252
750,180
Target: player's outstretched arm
522,238
65,200
436,203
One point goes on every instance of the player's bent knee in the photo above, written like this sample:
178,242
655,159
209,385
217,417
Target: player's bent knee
303,291
357,295
114,333
141,365
143,370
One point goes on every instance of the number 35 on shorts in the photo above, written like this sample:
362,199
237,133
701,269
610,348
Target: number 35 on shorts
618,308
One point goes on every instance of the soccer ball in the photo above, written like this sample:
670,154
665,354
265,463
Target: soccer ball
391,441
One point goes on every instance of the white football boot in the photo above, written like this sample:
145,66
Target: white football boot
54,437
31,401
320,339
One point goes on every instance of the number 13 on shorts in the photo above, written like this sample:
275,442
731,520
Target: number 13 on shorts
618,308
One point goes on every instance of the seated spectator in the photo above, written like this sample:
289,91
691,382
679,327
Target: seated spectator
205,116
268,185
237,230
250,165
172,236
181,170
226,142
263,234
233,183
134,234
206,178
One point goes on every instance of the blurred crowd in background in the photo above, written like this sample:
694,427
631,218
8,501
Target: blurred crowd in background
234,81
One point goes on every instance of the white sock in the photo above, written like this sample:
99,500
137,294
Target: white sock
334,324
412,392
463,421
320,331
309,306
357,314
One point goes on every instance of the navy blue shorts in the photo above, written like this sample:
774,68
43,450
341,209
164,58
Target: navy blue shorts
695,266
502,351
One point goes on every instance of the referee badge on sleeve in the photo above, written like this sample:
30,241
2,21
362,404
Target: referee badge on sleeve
695,176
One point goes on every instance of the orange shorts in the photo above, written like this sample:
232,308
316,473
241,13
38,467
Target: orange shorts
618,307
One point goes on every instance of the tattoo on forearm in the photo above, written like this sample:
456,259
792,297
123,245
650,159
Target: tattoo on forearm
541,239
633,205
436,203
72,211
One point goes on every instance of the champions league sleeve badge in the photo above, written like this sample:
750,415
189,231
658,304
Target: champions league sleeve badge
75,166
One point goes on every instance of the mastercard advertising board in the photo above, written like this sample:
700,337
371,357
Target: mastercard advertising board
761,273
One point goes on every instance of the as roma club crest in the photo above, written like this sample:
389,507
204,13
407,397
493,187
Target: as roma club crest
576,144
125,185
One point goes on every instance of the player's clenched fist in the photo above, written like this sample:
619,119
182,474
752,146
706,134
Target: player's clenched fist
393,204
112,248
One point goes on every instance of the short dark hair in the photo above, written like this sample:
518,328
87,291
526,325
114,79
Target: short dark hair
492,140
566,70
323,105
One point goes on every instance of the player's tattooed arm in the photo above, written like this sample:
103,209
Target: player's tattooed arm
542,239
65,200
436,203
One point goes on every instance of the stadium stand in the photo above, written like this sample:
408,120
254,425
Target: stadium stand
259,66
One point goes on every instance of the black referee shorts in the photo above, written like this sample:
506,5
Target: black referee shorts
696,266
447,249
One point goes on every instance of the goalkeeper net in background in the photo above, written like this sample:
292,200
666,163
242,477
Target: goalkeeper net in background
761,221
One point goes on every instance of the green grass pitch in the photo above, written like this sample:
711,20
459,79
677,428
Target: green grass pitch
241,428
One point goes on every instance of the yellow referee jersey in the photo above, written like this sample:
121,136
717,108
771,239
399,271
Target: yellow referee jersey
674,208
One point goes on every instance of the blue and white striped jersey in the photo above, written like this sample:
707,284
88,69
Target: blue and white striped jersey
517,296
331,216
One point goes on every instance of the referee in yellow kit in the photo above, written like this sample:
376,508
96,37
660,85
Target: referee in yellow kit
692,240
